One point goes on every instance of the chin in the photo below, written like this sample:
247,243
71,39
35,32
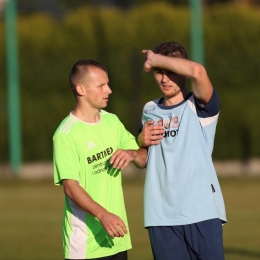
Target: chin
103,106
169,95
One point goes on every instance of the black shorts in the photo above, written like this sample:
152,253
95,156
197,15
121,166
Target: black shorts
118,256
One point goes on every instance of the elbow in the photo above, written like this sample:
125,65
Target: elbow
198,71
65,187
140,165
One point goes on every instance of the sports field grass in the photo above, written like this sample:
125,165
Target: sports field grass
31,211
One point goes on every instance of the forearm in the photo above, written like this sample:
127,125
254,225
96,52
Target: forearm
180,66
82,199
140,158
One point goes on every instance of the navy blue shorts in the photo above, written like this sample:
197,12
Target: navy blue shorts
202,240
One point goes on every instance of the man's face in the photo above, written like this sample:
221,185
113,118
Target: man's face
169,82
97,89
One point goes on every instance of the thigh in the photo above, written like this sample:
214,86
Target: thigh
205,240
168,243
118,256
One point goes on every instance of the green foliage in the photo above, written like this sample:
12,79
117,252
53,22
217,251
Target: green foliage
48,48
233,53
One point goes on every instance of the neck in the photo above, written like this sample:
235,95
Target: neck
90,115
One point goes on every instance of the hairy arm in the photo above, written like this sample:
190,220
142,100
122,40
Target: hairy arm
113,224
200,82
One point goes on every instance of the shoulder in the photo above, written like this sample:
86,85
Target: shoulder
152,102
66,126
110,119
108,116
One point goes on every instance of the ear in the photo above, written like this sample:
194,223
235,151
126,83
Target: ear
80,89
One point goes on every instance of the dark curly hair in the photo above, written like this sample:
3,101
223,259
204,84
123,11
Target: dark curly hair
171,49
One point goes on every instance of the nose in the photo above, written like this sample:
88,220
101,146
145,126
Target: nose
165,78
108,90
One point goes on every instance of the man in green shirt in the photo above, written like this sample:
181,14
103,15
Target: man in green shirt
91,146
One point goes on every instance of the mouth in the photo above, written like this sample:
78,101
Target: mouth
166,87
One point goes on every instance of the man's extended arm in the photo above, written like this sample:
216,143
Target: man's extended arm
113,224
200,83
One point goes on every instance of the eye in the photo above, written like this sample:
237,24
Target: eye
102,85
170,73
158,71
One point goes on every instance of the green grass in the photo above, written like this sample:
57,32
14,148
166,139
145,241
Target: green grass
31,212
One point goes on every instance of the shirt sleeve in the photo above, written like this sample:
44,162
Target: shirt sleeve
65,158
211,109
126,140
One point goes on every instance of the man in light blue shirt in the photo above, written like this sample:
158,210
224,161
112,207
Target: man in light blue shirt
183,203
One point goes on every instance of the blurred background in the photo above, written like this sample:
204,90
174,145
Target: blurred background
42,39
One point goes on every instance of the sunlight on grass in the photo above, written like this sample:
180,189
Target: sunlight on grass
31,215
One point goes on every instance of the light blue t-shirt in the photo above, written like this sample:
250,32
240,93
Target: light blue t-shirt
181,185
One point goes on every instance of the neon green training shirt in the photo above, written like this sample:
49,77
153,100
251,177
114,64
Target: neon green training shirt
82,152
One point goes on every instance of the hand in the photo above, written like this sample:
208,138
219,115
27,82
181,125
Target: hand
151,134
113,224
148,62
121,158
